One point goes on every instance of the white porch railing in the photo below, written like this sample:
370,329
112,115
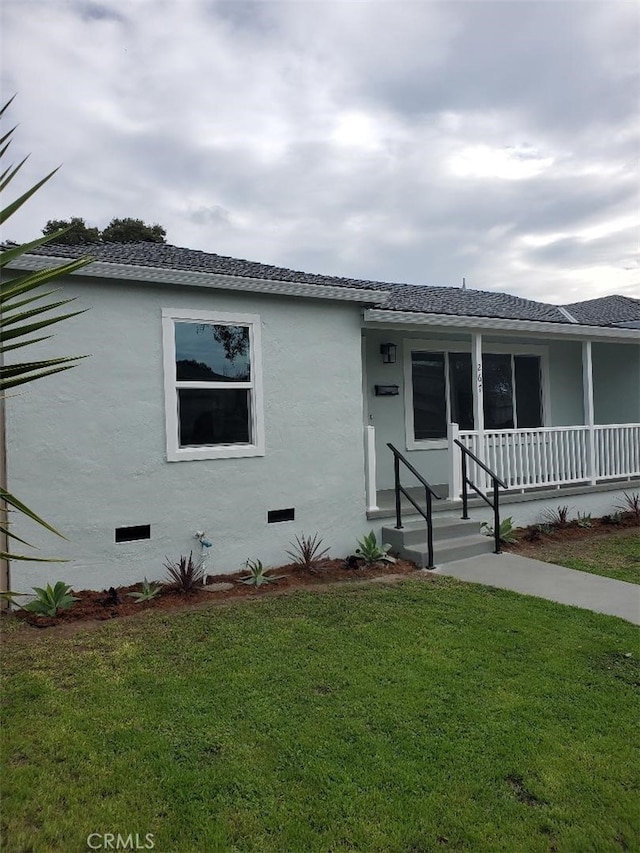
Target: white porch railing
554,456
617,449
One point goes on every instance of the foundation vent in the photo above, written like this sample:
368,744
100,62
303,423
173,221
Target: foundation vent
276,515
133,534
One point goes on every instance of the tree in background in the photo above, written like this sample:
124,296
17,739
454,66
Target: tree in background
24,313
74,231
133,231
71,232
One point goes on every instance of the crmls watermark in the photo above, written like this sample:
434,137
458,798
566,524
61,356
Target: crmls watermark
112,841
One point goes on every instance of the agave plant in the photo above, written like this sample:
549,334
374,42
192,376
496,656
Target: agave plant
51,599
507,530
369,550
147,593
22,318
257,574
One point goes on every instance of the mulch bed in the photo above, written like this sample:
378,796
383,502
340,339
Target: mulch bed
529,539
98,606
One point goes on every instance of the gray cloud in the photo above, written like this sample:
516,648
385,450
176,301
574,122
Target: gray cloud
404,141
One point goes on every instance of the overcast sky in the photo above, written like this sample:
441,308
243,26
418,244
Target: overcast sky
399,141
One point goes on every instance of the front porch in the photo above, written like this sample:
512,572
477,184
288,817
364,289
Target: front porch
546,412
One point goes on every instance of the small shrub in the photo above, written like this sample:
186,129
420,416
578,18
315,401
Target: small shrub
584,520
51,599
533,534
558,517
306,551
546,529
507,532
631,504
112,597
147,593
184,574
370,552
614,518
257,574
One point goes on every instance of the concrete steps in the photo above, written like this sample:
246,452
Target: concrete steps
453,539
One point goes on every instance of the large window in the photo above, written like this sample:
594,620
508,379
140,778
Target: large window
442,392
212,385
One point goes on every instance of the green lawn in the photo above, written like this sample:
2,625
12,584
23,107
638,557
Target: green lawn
612,554
401,718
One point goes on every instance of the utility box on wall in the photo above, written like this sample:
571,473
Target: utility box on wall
387,390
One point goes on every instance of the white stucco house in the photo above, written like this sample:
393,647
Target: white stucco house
254,403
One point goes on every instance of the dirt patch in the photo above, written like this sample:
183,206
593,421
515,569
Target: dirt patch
96,607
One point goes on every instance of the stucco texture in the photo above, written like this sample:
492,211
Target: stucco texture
87,448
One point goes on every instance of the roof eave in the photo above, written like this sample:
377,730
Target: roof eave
214,281
375,317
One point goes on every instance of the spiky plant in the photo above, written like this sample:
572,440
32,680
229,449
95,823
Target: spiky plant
51,599
184,574
507,531
306,551
370,552
558,517
258,574
147,593
631,504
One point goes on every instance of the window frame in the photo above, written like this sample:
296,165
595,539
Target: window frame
175,453
410,345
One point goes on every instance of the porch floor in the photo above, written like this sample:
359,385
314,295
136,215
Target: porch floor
387,502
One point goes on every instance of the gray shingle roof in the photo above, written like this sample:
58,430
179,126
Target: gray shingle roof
609,310
470,303
606,311
164,256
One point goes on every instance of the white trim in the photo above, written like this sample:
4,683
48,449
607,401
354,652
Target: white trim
587,394
410,319
175,453
218,281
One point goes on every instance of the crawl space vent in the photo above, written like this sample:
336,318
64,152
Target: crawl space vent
133,534
276,515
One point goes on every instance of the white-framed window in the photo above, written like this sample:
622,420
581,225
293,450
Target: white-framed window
213,385
439,380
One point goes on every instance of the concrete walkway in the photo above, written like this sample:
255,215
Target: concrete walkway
546,580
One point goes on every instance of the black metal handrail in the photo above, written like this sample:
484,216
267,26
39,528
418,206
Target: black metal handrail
429,494
494,504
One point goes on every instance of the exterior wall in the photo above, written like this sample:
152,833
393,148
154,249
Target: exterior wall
616,383
566,405
387,414
87,449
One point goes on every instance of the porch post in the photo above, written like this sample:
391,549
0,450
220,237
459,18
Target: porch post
478,399
587,392
455,474
370,468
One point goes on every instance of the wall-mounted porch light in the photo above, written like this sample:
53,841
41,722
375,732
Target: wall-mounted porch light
388,352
